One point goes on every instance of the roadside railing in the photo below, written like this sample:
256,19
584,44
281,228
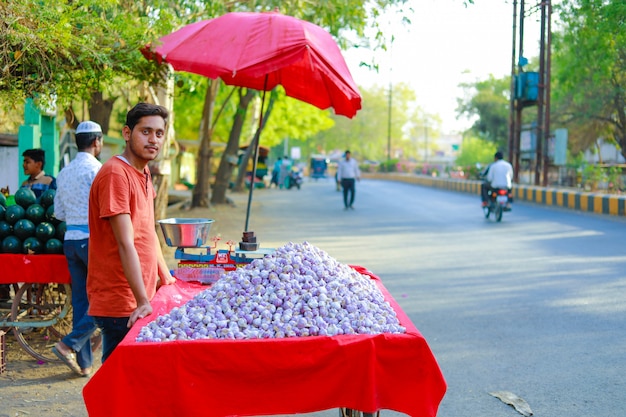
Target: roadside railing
600,203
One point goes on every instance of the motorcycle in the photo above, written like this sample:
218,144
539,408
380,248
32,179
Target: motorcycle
499,201
295,179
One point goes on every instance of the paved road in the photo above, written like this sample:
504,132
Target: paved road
534,305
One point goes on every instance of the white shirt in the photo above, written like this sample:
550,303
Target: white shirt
71,201
500,174
348,169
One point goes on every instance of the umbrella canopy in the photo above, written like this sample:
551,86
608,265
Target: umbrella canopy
262,50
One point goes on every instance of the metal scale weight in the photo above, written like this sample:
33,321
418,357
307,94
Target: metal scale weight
199,262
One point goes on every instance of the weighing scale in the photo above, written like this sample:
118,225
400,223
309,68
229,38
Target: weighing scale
203,263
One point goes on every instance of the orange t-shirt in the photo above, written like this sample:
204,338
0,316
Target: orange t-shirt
119,189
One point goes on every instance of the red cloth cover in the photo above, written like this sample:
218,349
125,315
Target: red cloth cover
265,377
34,269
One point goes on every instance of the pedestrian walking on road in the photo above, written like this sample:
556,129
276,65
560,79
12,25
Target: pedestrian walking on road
347,173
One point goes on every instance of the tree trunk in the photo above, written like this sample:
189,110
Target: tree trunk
241,175
201,191
229,159
243,165
161,185
100,110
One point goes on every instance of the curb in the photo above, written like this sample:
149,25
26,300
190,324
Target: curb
611,204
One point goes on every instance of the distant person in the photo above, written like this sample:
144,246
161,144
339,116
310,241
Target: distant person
283,173
126,263
347,173
499,174
276,171
38,180
71,204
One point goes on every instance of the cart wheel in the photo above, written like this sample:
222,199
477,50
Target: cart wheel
49,308
347,412
5,307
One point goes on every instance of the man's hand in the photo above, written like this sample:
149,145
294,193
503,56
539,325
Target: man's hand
166,279
139,313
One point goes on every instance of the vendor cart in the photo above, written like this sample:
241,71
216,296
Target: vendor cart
265,376
220,378
39,311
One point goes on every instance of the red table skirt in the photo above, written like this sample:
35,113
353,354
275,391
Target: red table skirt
265,377
34,269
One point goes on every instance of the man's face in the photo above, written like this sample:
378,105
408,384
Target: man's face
99,143
146,138
347,155
31,167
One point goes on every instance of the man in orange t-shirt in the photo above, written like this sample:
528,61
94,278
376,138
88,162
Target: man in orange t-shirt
126,263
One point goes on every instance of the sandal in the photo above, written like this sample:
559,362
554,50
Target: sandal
69,360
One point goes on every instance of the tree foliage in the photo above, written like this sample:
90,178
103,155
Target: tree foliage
589,73
475,150
67,50
367,134
487,101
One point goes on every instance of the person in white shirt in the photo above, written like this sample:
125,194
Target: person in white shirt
347,173
499,174
71,204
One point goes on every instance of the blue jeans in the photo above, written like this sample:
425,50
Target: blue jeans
114,329
83,326
348,188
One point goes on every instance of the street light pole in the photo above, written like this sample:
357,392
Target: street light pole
389,124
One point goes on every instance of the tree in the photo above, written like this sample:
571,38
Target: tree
229,159
488,102
67,51
589,73
89,50
367,134
336,16
476,150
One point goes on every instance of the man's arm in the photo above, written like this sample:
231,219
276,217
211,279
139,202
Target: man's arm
125,237
490,173
59,209
164,272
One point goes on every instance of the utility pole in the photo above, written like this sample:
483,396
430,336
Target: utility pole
548,67
543,98
425,141
519,106
541,140
513,149
521,86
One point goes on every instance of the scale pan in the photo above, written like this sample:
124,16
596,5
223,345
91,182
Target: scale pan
186,233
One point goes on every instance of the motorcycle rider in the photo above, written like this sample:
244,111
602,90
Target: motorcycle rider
498,174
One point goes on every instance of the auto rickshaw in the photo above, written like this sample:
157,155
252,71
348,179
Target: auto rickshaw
261,166
319,166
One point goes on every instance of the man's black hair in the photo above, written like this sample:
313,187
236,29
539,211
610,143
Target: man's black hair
145,109
84,140
498,155
37,155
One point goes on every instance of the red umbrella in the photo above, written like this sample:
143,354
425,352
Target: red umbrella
260,51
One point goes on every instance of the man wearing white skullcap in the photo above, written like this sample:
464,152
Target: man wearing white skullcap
71,204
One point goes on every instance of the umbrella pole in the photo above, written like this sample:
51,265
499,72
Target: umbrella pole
256,140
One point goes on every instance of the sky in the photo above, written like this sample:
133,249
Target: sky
447,44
